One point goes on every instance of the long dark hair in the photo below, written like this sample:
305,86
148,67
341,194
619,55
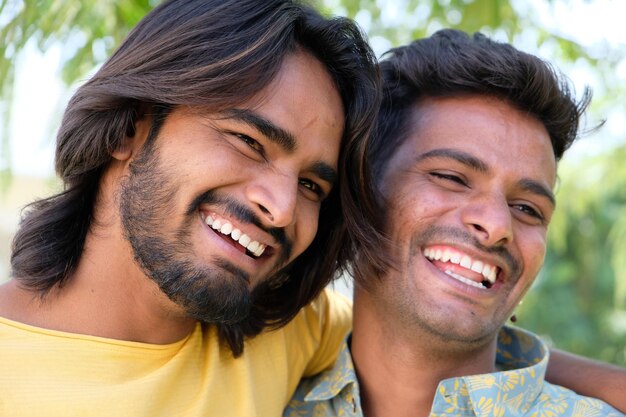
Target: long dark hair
215,54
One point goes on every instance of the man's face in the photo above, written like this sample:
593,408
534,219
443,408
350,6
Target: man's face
222,201
469,200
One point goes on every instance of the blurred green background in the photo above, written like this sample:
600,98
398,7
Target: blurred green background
579,300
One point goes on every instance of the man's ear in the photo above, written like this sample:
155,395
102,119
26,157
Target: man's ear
136,136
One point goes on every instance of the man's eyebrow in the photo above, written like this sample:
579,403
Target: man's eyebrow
535,187
276,134
471,161
325,172
280,136
459,156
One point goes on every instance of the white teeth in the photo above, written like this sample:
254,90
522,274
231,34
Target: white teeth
455,258
486,271
226,228
253,246
489,272
477,266
465,280
237,235
260,251
244,240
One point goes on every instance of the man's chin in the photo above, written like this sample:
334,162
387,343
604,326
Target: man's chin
459,333
226,317
210,295
216,307
225,305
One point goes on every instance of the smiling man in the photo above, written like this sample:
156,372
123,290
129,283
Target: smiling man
201,205
464,159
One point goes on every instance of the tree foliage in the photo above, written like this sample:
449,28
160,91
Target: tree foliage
580,298
88,30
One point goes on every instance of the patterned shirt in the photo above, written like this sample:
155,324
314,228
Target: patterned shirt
518,390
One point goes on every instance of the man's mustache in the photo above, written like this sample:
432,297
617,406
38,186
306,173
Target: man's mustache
240,212
451,235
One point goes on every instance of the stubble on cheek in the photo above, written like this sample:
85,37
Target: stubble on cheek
209,290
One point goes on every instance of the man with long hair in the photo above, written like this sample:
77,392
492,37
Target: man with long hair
201,205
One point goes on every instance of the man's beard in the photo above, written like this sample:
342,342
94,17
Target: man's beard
216,293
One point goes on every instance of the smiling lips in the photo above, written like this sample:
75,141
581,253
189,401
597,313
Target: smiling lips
226,228
479,274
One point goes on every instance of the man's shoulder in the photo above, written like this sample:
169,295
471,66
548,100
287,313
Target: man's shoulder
309,343
526,356
520,389
559,401
331,300
330,310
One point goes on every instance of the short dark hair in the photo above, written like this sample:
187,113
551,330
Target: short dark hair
451,63
214,54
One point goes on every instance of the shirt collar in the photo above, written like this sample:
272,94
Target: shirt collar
331,382
522,356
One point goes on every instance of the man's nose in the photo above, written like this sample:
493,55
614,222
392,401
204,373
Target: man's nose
488,218
273,198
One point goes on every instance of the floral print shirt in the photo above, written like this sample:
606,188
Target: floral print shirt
518,390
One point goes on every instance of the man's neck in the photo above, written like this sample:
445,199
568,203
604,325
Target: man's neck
108,295
105,303
399,369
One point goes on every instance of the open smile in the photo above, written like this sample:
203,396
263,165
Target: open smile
463,267
237,238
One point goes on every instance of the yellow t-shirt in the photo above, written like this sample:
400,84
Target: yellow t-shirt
57,374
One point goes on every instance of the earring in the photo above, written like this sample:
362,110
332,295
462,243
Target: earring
513,318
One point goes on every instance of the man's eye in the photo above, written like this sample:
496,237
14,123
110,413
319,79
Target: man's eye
250,142
312,186
526,209
449,177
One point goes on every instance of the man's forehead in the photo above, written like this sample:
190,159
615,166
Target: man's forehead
452,117
477,127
